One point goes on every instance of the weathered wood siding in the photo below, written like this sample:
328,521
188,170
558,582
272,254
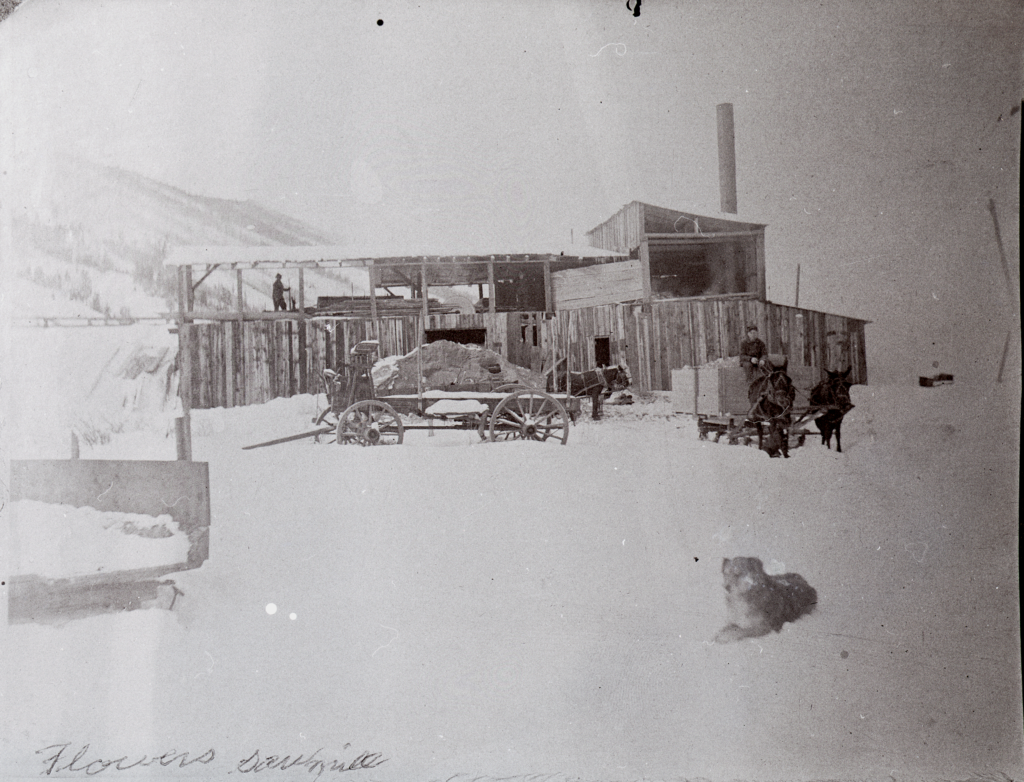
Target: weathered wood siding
692,332
254,361
622,232
590,286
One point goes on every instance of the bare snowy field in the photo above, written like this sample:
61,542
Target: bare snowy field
518,608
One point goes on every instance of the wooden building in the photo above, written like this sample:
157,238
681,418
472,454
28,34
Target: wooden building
683,255
658,290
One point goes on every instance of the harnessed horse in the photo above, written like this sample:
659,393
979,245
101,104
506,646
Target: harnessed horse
832,393
595,383
771,398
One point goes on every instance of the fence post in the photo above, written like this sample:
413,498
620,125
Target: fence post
181,441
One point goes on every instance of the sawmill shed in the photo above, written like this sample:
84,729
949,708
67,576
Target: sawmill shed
656,289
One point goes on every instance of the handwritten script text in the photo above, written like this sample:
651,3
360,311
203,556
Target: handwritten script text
60,760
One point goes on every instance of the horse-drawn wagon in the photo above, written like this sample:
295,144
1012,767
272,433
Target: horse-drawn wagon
355,413
721,399
783,398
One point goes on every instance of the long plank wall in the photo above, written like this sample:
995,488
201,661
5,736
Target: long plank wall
254,361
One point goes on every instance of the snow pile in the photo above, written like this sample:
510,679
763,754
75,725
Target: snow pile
449,365
140,391
60,541
93,382
457,407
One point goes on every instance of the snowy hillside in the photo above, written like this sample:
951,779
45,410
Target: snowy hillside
90,240
516,609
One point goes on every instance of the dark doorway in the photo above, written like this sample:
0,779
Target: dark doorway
462,336
603,351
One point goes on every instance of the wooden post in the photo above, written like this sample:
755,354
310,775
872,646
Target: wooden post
491,296
645,273
229,363
549,294
657,380
419,375
425,306
301,326
290,363
762,288
185,365
238,359
797,302
184,453
554,355
568,355
189,293
373,302
75,451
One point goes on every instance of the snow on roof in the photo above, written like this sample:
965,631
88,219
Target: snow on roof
350,256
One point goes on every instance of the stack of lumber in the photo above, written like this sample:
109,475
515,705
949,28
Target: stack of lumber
359,306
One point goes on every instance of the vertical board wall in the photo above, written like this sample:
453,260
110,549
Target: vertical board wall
253,361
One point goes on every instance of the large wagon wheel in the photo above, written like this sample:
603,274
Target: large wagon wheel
370,422
529,414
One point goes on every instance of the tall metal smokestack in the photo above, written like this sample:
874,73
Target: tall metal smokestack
726,158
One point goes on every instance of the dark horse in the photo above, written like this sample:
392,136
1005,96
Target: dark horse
595,383
833,395
771,398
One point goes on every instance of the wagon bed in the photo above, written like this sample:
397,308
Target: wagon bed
356,414
513,413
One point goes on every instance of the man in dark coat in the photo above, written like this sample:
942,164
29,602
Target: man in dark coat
752,350
279,289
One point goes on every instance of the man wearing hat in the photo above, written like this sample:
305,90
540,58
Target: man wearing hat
279,289
752,350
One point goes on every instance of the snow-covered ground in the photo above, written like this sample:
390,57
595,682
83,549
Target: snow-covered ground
498,609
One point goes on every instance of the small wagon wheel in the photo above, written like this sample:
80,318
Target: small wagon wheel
370,422
529,414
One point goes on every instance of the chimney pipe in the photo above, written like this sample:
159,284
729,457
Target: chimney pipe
726,158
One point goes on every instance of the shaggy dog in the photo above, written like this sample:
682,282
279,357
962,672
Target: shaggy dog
759,603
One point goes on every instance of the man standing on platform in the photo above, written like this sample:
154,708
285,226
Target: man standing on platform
279,289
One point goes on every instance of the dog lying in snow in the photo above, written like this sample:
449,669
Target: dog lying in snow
759,603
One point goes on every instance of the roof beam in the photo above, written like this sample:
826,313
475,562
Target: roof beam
681,237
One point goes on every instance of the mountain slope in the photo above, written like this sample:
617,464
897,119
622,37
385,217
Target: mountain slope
89,239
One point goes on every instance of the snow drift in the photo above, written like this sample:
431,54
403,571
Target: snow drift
519,609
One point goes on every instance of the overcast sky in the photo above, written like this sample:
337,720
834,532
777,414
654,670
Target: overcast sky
870,135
